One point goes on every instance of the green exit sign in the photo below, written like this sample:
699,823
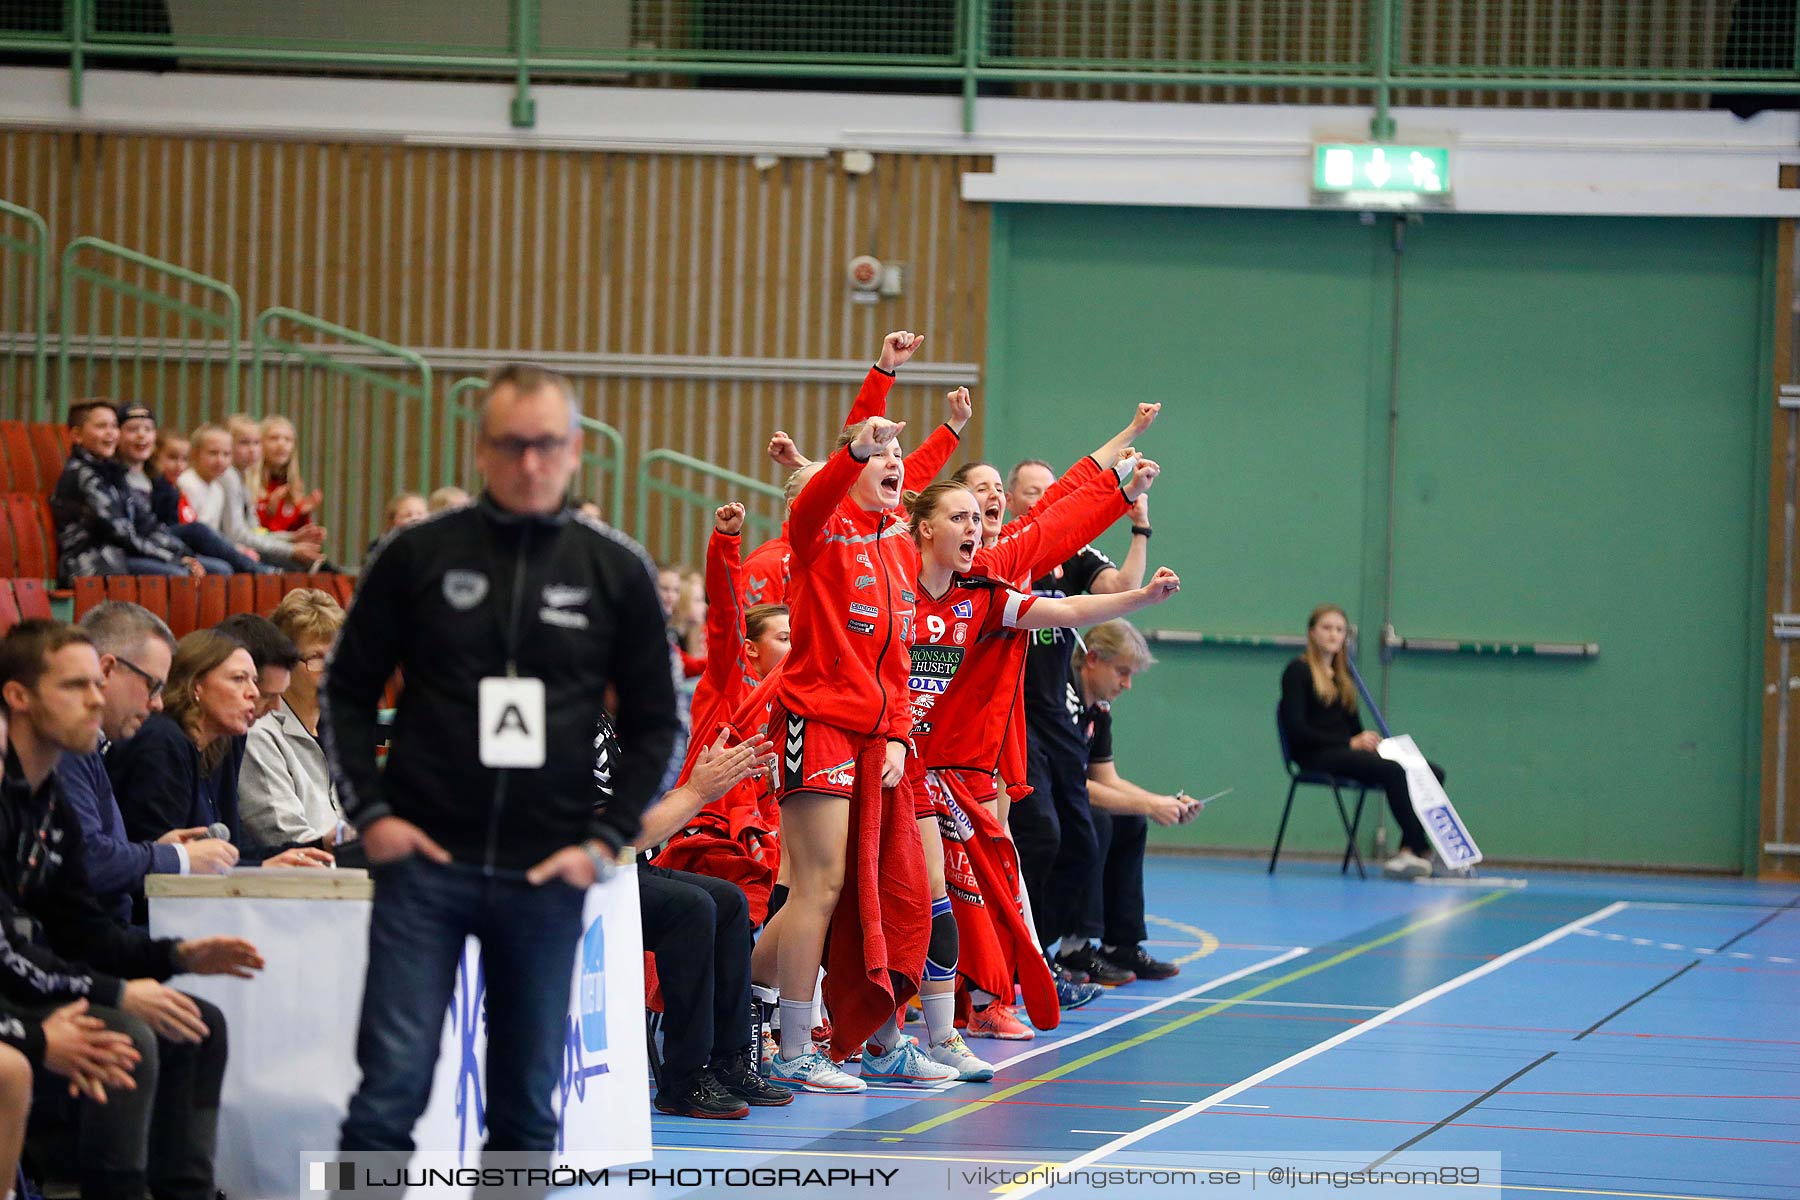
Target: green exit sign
1359,172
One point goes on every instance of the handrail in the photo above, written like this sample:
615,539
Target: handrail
966,45
1390,643
648,486
323,411
39,253
224,326
611,460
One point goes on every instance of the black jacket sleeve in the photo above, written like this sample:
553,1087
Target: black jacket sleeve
23,1033
647,723
81,930
154,781
32,976
362,662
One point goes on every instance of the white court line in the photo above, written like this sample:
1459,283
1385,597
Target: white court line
1300,1004
1158,1006
1331,1043
1106,1132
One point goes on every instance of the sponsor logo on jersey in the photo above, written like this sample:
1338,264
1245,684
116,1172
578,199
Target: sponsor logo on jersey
907,596
464,589
919,683
865,610
864,560
865,581
837,775
962,633
563,595
866,628
964,609
935,662
563,618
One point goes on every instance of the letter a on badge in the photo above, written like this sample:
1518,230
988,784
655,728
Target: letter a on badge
511,713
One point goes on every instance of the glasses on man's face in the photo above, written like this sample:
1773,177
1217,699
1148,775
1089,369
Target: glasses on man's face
150,681
516,448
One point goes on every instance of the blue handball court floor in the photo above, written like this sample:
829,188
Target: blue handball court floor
1581,1035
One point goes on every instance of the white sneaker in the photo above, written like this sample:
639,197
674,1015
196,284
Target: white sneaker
905,1065
954,1053
1406,865
811,1071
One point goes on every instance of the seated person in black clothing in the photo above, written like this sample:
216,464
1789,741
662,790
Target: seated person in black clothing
273,652
181,770
137,445
62,946
1324,733
1115,654
698,928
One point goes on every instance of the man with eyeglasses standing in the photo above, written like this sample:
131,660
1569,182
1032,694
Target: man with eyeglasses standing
135,649
509,620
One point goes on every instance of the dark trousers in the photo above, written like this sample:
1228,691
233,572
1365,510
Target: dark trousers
1365,766
422,915
699,929
1054,831
208,542
160,1135
1115,912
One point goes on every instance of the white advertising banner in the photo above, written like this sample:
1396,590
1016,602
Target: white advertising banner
1455,845
292,1030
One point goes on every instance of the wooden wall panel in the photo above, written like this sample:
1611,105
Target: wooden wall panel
679,265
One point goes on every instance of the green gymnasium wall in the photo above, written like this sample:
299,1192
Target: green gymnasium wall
1580,459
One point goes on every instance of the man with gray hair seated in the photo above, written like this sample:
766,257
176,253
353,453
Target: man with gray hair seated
135,651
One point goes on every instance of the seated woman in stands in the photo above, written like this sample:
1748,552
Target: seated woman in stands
181,769
285,793
282,501
1325,733
102,526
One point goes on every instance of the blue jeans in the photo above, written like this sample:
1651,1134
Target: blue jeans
209,543
152,566
423,912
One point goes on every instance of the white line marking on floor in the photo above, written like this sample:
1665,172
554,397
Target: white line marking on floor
1300,1004
1105,1132
1331,1043
1156,1006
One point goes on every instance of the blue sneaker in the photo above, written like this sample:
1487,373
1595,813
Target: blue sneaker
905,1065
1069,992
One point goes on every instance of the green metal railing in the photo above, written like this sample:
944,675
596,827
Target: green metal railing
602,470
135,327
1373,48
25,313
346,393
673,518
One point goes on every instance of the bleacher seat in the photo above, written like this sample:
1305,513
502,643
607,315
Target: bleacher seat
269,591
51,452
184,605
90,593
240,595
153,594
21,460
213,607
32,539
122,588
9,607
34,601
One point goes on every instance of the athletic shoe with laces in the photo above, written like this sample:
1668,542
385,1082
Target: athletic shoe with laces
954,1053
811,1071
821,1036
1138,962
1000,1021
737,1076
905,1065
1071,994
1086,963
699,1095
1406,865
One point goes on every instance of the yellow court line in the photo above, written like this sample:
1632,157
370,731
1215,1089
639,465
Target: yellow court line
1208,943
1210,1010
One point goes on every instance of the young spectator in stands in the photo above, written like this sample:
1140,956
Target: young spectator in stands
167,462
238,520
102,526
1116,654
51,683
1324,733
690,617
683,670
135,648
591,510
138,440
282,501
275,656
448,497
285,793
408,508
181,770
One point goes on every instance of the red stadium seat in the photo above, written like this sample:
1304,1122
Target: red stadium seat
33,544
51,451
343,587
9,607
269,591
212,601
123,588
184,605
240,594
22,472
153,594
295,580
34,602
90,593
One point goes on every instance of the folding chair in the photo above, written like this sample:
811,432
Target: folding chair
1337,783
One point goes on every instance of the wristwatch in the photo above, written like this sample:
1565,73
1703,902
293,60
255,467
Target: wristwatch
604,860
